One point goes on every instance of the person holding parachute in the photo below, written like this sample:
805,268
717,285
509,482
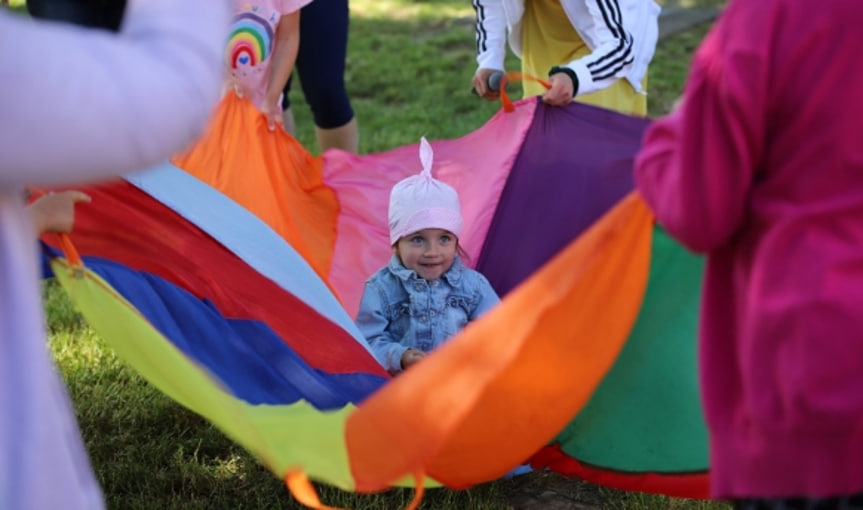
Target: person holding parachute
593,51
149,89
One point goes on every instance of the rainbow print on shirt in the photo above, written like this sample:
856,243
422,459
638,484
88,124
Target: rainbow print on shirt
250,41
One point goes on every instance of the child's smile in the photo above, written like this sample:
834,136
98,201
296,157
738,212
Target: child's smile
429,253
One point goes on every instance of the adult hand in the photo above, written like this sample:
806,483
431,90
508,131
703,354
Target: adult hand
480,84
55,212
560,93
411,357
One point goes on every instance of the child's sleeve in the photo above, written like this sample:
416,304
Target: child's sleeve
490,34
373,325
611,56
696,166
289,6
488,298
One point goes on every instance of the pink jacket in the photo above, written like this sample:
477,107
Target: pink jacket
762,169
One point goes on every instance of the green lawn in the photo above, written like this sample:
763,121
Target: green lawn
409,70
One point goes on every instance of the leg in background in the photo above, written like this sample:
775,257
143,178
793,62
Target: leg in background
321,68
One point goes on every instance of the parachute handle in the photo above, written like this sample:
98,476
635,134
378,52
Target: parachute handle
304,492
512,76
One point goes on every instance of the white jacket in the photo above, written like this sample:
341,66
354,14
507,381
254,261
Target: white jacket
621,35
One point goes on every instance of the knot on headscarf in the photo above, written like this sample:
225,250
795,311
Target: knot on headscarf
421,201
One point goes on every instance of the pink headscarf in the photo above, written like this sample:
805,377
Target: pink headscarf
421,201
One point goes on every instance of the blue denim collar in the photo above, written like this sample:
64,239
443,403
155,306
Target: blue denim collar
452,276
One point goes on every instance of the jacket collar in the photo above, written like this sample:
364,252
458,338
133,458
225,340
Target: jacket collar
452,276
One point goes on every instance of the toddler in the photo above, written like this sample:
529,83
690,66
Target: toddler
425,294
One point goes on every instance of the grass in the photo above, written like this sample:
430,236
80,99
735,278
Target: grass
408,74
409,70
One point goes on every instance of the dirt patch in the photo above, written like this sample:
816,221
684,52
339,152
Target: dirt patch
549,491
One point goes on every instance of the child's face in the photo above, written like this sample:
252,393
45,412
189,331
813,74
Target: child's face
429,252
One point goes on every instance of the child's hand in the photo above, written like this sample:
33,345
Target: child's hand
272,110
411,357
560,93
480,84
236,86
232,85
55,212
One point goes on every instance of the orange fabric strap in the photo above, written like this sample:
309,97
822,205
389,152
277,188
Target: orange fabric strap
513,76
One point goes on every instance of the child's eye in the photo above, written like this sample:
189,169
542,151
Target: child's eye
417,239
445,238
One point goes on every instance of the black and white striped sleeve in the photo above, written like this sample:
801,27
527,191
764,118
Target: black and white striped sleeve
613,52
490,34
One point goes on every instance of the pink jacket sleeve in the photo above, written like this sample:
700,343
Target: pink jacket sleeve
696,165
86,104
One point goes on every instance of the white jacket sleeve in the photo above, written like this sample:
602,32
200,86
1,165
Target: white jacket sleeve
490,34
84,104
613,52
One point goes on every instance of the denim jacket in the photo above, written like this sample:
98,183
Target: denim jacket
400,310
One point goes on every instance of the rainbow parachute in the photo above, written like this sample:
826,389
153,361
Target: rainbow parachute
231,286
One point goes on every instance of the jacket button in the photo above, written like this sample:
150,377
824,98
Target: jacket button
423,318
